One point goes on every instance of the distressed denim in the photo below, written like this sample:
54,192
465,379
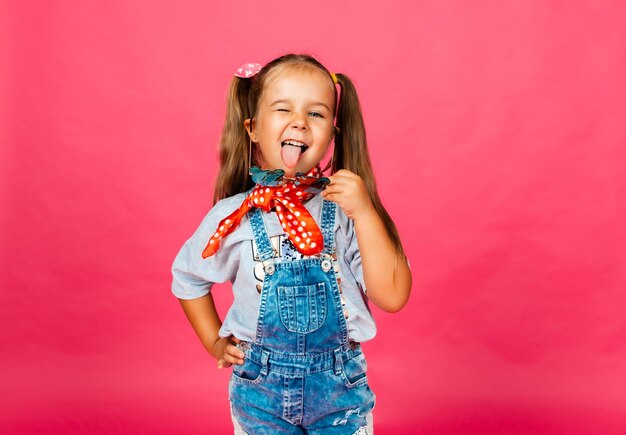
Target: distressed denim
301,374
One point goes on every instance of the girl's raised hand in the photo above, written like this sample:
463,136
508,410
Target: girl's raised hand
348,190
227,353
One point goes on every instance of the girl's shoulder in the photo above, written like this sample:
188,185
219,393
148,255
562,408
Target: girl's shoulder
220,210
227,205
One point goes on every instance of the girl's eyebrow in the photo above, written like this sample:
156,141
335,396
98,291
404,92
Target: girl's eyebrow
279,102
314,103
319,103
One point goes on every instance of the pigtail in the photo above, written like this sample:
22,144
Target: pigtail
351,152
232,177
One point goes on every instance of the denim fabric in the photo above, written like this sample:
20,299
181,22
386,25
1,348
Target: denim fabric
301,374
237,261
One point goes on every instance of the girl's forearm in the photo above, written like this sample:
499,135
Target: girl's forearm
204,319
387,276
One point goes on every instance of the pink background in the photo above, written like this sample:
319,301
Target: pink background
497,134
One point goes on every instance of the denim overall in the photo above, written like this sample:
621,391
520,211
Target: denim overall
301,374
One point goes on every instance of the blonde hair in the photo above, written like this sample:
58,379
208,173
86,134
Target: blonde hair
350,151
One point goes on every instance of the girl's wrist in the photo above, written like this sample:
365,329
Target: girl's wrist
367,213
212,348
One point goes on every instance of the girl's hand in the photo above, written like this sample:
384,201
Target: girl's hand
348,190
227,353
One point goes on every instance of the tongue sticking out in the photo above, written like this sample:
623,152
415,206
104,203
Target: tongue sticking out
290,155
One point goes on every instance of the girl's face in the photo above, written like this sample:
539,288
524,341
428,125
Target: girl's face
293,126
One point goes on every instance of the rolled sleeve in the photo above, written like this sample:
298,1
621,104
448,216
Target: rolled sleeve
189,281
194,276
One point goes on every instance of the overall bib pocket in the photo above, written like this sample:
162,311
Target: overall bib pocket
302,307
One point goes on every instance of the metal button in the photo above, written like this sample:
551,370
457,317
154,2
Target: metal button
269,268
326,265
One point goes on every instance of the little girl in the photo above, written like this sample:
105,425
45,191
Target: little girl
305,253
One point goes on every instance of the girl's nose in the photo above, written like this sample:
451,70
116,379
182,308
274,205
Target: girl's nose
299,123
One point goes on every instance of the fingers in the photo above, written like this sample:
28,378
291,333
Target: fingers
234,354
334,189
342,174
339,184
342,178
231,354
223,364
348,190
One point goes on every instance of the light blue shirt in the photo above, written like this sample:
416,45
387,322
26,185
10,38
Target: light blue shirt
236,261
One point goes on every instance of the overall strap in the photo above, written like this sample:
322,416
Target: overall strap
329,209
261,239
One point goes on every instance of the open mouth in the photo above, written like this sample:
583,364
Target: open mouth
291,150
295,143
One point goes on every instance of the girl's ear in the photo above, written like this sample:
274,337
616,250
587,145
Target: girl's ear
249,125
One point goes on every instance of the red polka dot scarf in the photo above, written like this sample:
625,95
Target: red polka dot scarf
286,197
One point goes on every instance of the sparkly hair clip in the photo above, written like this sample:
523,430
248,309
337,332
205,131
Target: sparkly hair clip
248,70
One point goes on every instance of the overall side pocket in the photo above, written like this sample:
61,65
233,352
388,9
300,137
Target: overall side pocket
248,373
354,371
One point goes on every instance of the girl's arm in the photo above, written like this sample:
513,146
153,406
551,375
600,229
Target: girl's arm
387,276
204,319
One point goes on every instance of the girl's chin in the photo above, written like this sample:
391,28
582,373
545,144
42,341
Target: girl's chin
290,172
